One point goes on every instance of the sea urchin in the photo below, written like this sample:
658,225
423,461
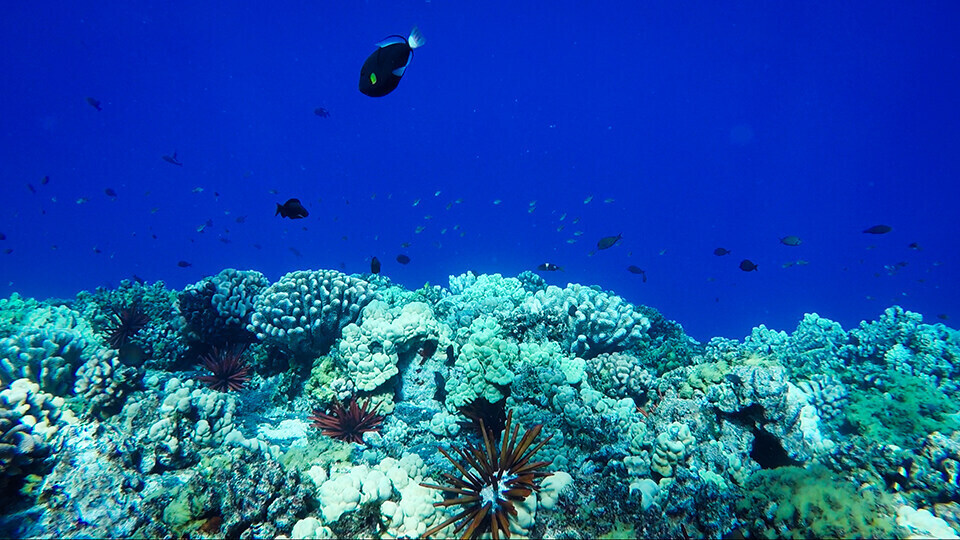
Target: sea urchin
124,323
348,423
229,370
499,478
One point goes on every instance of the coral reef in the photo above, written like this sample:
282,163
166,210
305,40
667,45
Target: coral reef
648,433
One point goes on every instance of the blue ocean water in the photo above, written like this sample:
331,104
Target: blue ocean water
687,127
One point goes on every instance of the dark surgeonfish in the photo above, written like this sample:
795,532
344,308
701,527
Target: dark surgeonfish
403,259
637,270
172,159
791,240
609,241
747,265
183,264
95,103
878,229
374,265
382,70
549,267
291,209
109,192
720,252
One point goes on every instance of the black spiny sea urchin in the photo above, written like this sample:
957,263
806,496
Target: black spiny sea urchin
348,423
229,371
124,323
495,480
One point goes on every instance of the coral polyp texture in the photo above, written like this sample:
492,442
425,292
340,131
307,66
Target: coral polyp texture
348,423
190,416
494,480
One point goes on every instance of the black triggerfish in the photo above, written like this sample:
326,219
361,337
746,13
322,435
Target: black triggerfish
383,69
291,209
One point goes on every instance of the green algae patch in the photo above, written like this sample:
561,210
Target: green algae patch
813,502
907,411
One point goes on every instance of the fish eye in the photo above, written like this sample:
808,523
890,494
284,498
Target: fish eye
373,78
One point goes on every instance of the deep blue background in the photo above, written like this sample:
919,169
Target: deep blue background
707,124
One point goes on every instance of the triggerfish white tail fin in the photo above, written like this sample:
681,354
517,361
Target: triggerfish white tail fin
416,39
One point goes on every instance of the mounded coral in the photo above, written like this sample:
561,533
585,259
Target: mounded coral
29,421
305,311
104,383
371,350
594,322
47,355
218,309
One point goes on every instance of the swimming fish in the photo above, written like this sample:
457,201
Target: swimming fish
382,70
45,180
110,193
172,159
791,240
291,209
183,264
403,259
321,112
720,252
548,267
878,229
374,265
637,270
914,246
608,241
95,103
747,265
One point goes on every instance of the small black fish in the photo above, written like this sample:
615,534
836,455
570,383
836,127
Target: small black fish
3,236
183,264
31,188
382,70
943,316
914,246
45,180
791,240
403,259
747,265
637,270
451,356
110,193
138,279
172,159
8,251
720,252
734,378
549,267
95,103
321,112
291,209
295,251
878,229
374,265
608,241
241,219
